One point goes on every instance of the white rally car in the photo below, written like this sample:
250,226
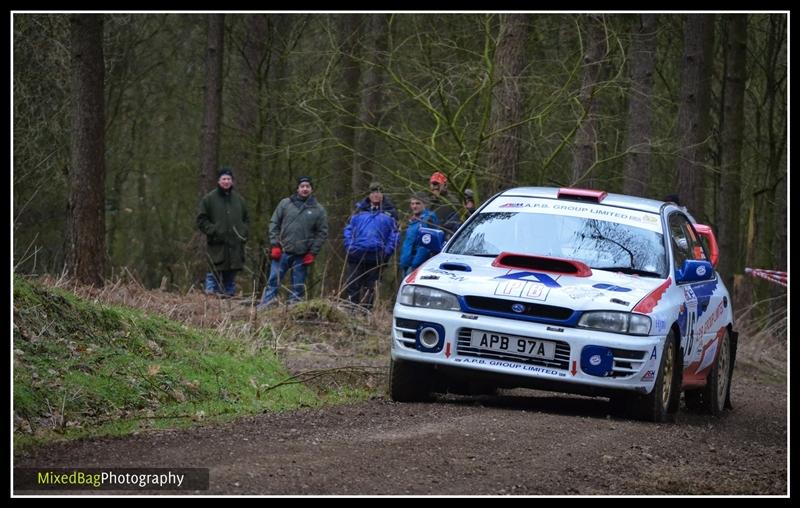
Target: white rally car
570,290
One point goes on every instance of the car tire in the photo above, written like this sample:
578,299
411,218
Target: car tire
409,382
619,405
661,404
715,396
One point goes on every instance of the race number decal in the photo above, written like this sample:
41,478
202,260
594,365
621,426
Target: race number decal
535,291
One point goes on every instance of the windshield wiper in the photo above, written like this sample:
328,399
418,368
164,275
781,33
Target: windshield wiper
628,270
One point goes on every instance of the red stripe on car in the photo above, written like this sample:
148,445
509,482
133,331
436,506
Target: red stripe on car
649,302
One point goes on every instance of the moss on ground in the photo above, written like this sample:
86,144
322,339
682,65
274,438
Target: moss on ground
86,369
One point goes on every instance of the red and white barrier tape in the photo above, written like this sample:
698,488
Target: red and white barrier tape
771,275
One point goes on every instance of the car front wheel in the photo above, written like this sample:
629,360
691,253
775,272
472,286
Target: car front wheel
661,404
409,381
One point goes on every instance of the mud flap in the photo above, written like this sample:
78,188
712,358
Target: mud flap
734,342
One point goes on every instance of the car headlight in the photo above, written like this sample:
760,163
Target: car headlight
429,298
617,322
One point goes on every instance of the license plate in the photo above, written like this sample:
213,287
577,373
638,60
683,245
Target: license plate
525,346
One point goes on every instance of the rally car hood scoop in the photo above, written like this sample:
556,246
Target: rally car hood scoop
456,267
542,263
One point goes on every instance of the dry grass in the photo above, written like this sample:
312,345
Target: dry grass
332,332
763,335
329,328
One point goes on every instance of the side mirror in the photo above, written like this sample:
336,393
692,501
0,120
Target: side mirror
707,234
432,239
694,270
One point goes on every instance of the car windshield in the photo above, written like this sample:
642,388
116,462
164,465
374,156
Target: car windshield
601,244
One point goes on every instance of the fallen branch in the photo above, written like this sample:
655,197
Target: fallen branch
314,374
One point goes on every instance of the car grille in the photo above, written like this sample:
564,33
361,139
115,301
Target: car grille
532,310
561,360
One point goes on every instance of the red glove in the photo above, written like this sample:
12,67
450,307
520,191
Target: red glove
308,259
276,253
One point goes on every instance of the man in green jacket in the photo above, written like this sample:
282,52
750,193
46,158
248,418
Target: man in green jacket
297,230
222,217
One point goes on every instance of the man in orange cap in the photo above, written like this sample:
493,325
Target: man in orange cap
447,213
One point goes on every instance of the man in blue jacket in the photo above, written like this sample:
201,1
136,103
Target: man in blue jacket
370,239
413,253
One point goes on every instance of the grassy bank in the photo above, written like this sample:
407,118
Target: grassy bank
86,369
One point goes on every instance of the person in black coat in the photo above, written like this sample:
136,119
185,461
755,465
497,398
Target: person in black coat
222,217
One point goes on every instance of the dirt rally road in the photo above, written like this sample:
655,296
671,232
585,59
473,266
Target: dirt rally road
521,443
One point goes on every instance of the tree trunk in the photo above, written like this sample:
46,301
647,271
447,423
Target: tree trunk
148,259
507,101
210,135
348,92
777,133
249,105
640,112
212,105
694,113
767,229
273,77
779,261
729,209
371,102
86,256
343,160
586,138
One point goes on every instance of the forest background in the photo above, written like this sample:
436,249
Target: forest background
121,122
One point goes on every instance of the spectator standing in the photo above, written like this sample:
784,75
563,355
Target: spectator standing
412,252
441,206
377,200
222,217
370,239
297,230
675,199
469,201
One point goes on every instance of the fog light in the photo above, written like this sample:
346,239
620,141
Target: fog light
428,338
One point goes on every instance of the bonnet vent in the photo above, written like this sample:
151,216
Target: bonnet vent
542,263
455,267
594,196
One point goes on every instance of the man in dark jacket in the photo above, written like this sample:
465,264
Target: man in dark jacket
370,239
222,217
297,230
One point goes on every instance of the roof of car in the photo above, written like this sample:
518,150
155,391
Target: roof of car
621,200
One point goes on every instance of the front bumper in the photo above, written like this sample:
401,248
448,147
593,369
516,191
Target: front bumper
632,361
